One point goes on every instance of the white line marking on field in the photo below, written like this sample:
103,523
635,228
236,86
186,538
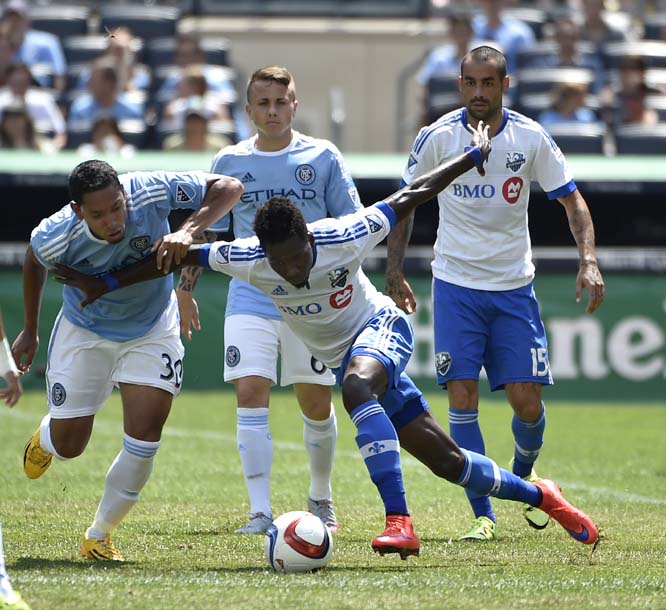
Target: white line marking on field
106,427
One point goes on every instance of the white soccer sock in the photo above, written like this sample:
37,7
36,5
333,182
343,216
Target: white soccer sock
45,437
320,438
125,479
6,591
255,447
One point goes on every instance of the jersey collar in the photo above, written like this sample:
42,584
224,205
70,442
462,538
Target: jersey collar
505,118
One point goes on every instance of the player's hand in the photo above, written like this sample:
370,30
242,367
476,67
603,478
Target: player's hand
92,286
589,277
398,288
189,313
13,391
481,139
172,248
24,348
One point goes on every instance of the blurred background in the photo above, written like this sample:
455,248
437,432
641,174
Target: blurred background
151,86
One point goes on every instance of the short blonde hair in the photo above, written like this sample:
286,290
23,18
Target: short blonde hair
275,73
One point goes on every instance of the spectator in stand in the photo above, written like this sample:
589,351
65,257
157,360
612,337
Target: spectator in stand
103,98
106,138
196,135
568,106
7,50
17,129
569,55
511,34
596,28
46,115
193,89
633,109
121,49
188,52
34,47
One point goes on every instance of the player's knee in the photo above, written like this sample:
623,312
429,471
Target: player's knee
70,448
356,390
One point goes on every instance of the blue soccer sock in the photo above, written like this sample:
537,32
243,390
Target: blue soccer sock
378,442
465,430
528,442
485,477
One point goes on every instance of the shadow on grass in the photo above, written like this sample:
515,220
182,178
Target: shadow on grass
39,563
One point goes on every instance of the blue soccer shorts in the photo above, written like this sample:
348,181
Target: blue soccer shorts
501,331
389,338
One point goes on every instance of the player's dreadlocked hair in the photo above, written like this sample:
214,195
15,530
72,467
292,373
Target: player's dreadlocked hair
91,176
484,54
278,220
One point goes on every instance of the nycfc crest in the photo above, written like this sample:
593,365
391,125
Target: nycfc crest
233,355
305,174
58,394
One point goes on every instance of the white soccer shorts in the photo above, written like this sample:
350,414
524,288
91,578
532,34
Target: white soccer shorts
252,345
83,368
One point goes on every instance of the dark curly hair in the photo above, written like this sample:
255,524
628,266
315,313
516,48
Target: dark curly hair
89,177
278,220
484,54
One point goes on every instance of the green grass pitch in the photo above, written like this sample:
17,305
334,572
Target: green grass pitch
181,552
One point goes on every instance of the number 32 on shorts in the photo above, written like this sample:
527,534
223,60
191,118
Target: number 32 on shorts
174,370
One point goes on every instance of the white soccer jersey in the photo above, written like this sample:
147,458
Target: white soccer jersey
310,171
339,299
483,239
63,238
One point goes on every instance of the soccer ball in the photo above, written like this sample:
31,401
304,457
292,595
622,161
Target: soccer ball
298,541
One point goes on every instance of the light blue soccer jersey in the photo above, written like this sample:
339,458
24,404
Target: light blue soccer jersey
311,172
127,313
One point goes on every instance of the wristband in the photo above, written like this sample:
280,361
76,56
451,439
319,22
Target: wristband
477,155
111,282
7,364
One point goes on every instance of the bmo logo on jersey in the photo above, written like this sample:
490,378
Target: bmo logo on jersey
342,298
474,191
310,309
511,189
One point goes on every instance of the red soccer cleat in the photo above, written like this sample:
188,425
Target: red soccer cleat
577,524
398,537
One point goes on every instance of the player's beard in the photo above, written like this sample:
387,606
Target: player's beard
486,114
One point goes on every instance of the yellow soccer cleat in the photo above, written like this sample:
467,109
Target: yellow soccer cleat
35,459
482,529
100,550
17,604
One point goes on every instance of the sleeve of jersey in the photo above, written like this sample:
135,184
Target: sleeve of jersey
186,190
422,157
48,248
379,219
217,167
230,259
551,169
341,195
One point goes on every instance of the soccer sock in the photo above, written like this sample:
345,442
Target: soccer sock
465,430
528,441
45,437
6,591
380,448
485,477
319,438
125,479
255,447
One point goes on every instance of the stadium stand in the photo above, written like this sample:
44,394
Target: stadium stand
146,22
641,139
61,20
579,138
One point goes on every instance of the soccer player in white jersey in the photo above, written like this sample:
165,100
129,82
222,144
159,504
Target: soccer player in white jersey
10,394
276,161
485,309
131,340
360,333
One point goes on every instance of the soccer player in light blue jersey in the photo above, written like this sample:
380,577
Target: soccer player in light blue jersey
276,161
10,394
361,334
130,340
485,309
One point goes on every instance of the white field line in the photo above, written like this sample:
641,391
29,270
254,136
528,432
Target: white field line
108,427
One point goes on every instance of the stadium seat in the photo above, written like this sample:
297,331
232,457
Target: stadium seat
133,130
655,27
544,49
159,51
579,138
84,49
658,103
652,51
167,128
146,22
641,139
533,104
539,80
533,17
60,20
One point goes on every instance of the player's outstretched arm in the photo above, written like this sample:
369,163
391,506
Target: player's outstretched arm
93,286
425,187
